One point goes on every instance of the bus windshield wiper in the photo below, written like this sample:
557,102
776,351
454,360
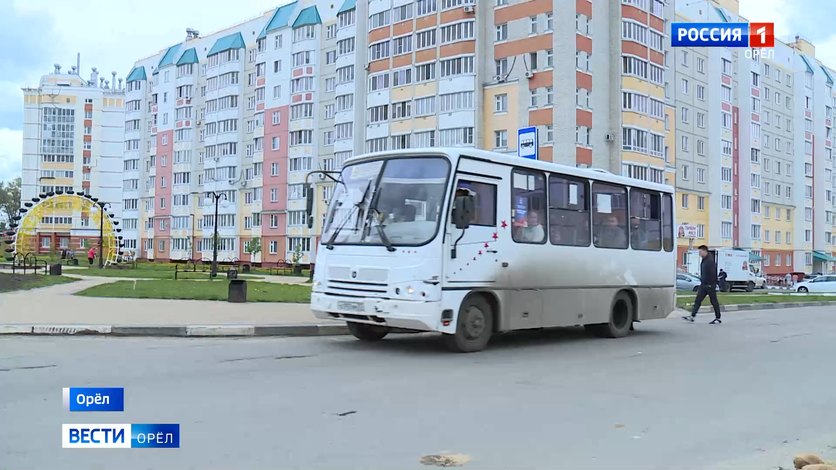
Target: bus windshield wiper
373,217
330,244
380,232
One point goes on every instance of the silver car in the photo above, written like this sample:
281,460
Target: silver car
687,282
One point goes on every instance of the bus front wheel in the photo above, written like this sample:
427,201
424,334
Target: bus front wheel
621,318
474,326
365,332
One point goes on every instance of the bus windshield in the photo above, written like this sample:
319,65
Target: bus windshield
388,202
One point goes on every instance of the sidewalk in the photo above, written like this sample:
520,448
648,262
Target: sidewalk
54,310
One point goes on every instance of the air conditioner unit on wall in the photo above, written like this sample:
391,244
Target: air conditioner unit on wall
470,9
529,75
610,137
499,78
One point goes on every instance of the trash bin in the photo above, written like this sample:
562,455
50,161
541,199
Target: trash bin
246,268
237,291
55,270
232,274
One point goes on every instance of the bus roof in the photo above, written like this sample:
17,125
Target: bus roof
510,160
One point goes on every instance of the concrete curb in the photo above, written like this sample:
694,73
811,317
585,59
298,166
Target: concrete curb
745,307
194,331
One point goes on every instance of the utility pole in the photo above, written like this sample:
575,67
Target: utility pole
214,272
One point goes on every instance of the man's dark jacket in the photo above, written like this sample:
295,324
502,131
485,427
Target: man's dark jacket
708,271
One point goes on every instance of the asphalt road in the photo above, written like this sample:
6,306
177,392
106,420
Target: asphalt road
744,395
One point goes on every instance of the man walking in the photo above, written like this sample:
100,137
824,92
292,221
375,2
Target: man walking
708,285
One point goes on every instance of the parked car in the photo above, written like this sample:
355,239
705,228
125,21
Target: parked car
819,284
687,282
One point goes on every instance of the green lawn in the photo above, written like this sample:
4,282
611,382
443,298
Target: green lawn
687,301
199,290
13,282
143,273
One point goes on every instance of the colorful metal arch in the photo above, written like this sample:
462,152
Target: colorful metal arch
22,236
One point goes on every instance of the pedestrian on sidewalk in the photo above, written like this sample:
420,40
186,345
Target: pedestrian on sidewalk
91,255
708,287
722,280
788,281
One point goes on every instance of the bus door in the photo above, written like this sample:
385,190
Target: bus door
474,257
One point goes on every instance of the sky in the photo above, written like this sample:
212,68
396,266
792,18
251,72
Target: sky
111,35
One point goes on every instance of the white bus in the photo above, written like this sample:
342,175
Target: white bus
470,243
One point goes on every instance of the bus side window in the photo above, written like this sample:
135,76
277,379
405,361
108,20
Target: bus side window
667,222
568,211
528,204
609,215
485,198
645,220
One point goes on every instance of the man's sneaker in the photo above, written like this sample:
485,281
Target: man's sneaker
688,318
716,321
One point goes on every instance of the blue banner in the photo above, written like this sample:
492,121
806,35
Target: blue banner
155,436
710,34
94,399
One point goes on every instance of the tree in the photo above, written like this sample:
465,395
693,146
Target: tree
9,199
297,254
254,246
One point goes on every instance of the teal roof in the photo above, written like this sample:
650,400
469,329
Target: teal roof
168,57
233,41
137,73
348,5
821,255
308,16
188,57
827,74
280,19
722,14
807,63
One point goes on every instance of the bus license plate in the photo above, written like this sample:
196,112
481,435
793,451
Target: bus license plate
351,306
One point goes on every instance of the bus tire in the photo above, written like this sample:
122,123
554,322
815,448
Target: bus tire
365,332
621,318
750,286
474,326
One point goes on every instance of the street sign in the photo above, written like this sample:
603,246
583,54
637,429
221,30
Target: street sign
527,143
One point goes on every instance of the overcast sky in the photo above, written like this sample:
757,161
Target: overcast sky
111,35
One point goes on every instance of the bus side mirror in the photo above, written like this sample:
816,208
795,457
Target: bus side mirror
309,206
463,211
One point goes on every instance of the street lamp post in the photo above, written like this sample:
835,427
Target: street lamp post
102,215
217,197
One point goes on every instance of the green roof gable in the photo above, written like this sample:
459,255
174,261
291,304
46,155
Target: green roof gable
308,16
168,57
807,63
233,41
137,73
188,57
348,5
827,74
280,19
722,14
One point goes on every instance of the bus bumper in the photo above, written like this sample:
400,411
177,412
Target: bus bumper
413,315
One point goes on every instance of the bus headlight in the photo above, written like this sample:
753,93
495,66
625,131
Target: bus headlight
410,290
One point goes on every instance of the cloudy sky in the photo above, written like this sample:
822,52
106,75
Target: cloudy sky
110,35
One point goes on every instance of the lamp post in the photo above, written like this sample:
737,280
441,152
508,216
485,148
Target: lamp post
102,215
217,197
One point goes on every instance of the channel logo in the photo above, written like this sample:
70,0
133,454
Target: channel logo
751,35
120,436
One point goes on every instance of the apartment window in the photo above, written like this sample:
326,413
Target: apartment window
502,32
726,93
700,175
501,139
700,65
501,103
685,143
685,86
726,202
532,25
727,68
701,92
700,147
684,201
727,120
684,115
426,39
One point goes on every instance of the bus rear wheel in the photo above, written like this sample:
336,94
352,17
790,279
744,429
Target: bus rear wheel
621,319
474,326
365,332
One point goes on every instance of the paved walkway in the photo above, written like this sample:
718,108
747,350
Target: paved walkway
55,305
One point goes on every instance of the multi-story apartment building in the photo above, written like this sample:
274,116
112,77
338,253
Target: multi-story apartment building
239,116
72,140
323,82
754,155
